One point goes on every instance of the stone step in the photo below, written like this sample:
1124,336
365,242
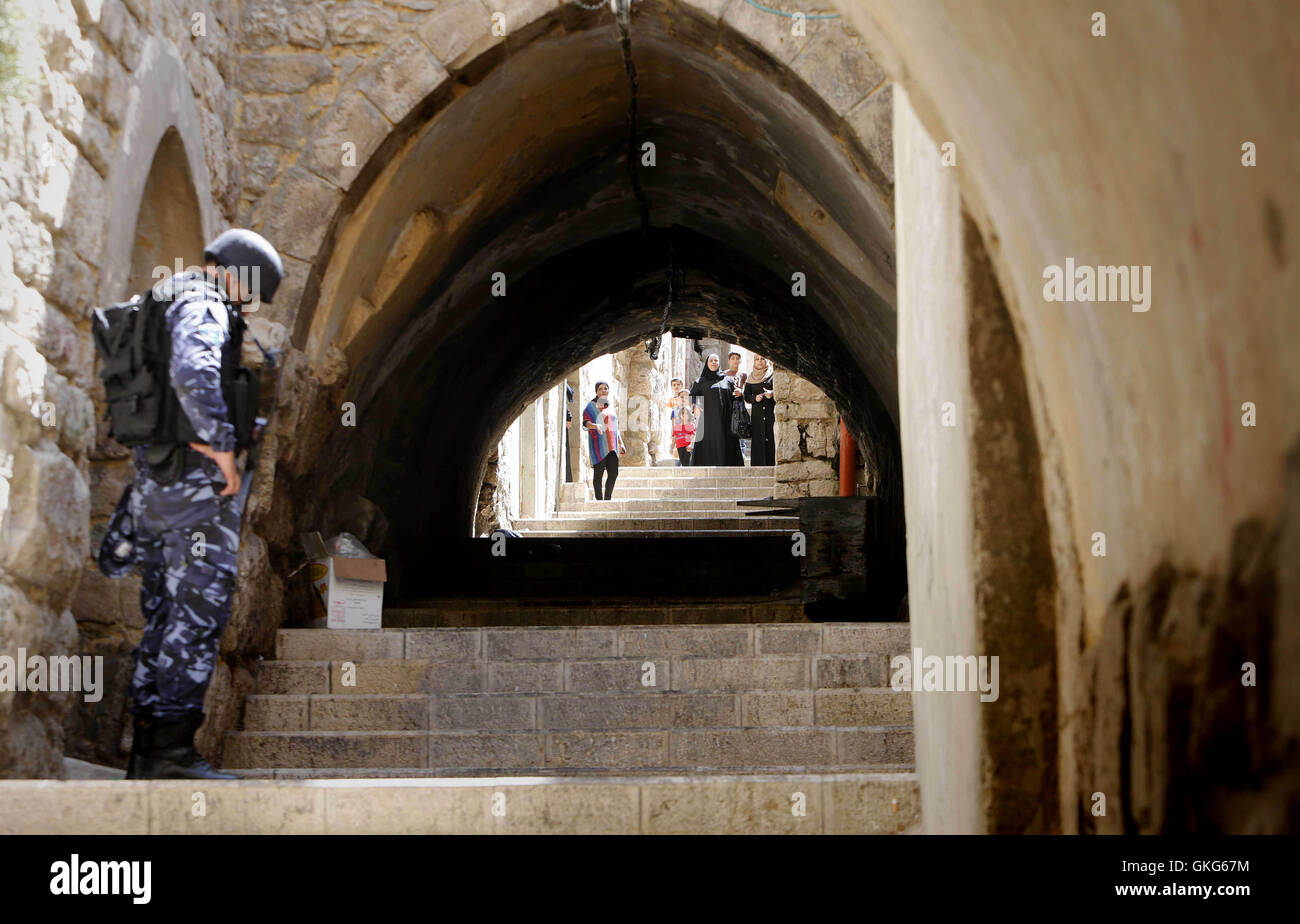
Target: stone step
788,750
668,506
563,531
575,675
843,708
668,486
684,476
713,522
595,510
835,803
692,472
460,614
636,492
549,643
703,602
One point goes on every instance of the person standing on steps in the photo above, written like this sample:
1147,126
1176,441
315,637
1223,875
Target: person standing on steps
758,393
674,395
714,444
185,502
683,417
603,440
734,380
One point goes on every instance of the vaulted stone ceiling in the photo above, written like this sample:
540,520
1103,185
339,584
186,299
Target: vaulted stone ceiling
523,169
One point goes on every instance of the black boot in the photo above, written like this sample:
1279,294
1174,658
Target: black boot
141,742
172,755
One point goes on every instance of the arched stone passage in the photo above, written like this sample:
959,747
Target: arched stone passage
428,424
1138,415
167,224
518,164
1042,182
161,115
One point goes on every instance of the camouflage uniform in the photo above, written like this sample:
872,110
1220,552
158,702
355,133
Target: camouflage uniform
187,538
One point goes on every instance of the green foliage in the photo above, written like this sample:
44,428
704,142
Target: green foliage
10,75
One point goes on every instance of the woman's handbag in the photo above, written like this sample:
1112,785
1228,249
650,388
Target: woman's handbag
739,419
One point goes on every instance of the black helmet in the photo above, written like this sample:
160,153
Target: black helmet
240,248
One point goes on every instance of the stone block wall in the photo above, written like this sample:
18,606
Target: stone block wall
523,474
90,89
808,441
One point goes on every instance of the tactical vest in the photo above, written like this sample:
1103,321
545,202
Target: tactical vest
135,345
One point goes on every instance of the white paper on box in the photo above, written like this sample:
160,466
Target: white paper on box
355,604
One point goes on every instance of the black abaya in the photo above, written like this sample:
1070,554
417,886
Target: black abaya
714,444
762,421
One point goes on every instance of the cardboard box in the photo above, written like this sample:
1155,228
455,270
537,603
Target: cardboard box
350,590
354,595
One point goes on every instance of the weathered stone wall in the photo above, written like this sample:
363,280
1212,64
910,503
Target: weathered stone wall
1139,416
505,500
524,474
808,441
272,110
485,519
100,83
640,415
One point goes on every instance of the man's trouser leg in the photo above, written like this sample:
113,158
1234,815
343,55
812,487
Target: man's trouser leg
144,692
190,537
154,607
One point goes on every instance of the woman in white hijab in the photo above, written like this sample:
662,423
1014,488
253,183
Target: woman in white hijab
762,419
713,440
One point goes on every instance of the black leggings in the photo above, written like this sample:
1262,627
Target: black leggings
609,466
683,455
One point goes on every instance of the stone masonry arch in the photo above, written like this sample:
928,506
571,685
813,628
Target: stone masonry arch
160,106
167,224
308,203
382,251
1138,415
1124,146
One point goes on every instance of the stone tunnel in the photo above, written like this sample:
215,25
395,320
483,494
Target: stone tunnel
469,207
584,240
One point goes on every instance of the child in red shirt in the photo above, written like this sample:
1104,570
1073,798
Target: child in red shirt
683,417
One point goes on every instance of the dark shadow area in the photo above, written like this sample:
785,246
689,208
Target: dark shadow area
426,426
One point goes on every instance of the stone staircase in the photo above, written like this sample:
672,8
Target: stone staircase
666,501
711,728
557,701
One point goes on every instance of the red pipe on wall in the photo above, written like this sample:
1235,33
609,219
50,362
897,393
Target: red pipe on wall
848,462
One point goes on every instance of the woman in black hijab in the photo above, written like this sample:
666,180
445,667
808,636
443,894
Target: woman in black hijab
758,394
714,444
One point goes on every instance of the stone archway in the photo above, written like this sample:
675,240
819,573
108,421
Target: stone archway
776,159
160,110
167,225
767,145
1137,414
995,120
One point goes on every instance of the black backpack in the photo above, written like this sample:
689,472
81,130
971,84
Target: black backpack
135,347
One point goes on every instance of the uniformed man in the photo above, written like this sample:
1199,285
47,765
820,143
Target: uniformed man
186,509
